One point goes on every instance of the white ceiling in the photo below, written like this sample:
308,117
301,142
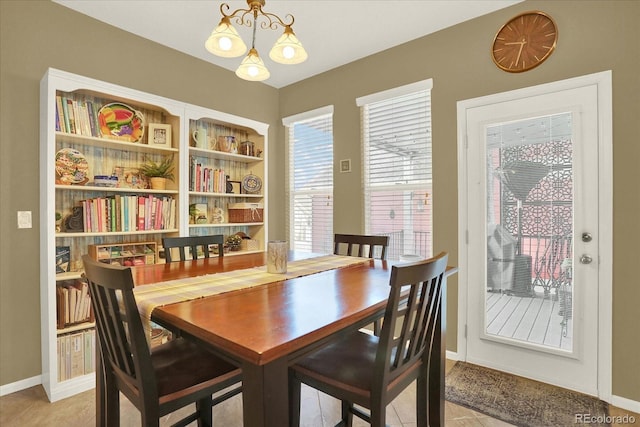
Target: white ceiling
334,32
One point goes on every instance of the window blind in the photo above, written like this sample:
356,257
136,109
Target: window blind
397,164
310,183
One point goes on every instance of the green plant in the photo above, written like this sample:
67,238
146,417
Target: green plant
234,241
163,169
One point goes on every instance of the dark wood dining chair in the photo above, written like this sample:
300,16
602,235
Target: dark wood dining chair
370,371
364,245
157,381
192,242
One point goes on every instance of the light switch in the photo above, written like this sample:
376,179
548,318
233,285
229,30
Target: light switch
24,219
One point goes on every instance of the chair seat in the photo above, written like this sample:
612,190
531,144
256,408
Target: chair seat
348,361
180,364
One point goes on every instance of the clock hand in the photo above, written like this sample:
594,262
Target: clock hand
520,52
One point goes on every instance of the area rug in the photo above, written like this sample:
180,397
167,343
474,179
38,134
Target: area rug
521,401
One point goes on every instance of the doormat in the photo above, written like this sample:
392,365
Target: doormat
521,401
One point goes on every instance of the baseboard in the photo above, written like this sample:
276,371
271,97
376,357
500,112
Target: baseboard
452,355
624,403
20,385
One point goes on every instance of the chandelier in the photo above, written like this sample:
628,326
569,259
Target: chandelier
226,42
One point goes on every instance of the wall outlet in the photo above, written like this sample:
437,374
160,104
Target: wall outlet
24,219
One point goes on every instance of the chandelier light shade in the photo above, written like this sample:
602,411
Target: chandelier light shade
288,49
252,68
227,43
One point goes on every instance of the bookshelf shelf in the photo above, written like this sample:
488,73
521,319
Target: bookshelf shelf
113,189
92,141
71,198
243,196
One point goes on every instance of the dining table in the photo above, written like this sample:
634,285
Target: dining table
265,328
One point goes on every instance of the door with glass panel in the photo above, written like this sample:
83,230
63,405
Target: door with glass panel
532,192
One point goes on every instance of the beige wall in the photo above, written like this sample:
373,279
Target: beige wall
36,35
594,36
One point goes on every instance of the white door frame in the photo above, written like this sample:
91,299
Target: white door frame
605,210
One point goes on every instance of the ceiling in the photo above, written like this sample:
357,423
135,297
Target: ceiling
321,25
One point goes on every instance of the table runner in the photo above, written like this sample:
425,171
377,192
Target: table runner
148,297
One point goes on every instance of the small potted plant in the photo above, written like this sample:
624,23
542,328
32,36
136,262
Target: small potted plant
233,242
158,172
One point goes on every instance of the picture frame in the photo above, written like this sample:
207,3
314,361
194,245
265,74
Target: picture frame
159,135
345,165
236,187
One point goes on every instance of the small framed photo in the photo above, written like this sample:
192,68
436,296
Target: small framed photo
235,187
159,135
345,165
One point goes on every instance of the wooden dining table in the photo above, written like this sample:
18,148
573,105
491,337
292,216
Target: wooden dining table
264,329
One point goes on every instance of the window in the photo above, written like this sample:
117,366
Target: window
396,159
310,181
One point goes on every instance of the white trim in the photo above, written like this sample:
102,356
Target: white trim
311,114
452,355
624,403
396,91
603,80
20,385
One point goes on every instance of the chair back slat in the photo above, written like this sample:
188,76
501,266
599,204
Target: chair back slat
412,308
194,243
122,340
366,245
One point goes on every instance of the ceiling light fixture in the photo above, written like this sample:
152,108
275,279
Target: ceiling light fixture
226,42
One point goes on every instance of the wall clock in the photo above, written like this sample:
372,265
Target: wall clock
524,42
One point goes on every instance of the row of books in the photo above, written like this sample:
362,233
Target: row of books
77,116
73,303
122,213
76,354
208,180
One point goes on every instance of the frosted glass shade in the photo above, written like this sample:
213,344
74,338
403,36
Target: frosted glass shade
252,68
225,41
288,49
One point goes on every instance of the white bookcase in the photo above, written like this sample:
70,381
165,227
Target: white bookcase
227,161
105,156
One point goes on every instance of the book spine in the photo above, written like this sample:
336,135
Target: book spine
65,114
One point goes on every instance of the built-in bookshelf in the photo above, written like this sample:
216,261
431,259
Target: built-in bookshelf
85,146
227,166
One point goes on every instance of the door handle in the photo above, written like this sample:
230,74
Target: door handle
585,259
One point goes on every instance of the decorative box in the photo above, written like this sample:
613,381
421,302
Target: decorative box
249,245
246,212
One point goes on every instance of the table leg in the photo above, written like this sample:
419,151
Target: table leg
265,399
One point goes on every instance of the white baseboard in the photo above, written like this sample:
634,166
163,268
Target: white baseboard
451,355
20,385
624,403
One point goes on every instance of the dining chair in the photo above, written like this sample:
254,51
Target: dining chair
192,242
157,381
365,245
370,371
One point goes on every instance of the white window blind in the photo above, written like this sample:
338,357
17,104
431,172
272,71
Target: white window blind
396,159
310,181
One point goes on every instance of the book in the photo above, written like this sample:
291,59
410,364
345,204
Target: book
63,259
76,355
89,338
